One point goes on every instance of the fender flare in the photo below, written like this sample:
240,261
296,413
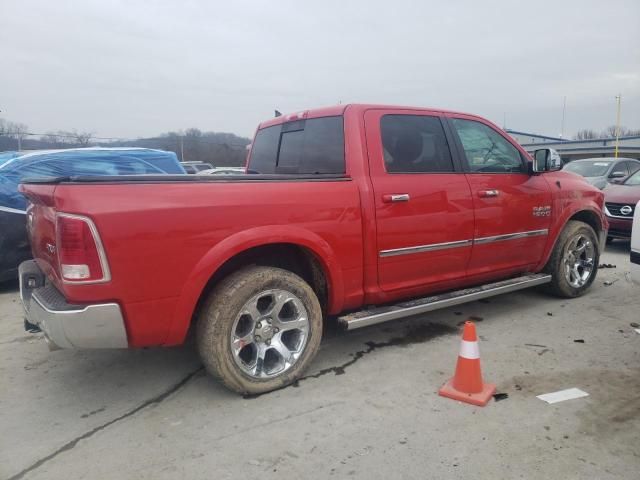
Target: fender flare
239,242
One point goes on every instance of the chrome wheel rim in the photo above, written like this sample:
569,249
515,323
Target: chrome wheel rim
269,334
579,261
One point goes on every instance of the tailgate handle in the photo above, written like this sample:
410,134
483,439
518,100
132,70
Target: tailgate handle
488,193
396,197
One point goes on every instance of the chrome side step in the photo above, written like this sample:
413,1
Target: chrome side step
364,318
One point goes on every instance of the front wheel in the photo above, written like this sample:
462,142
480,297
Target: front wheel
574,260
259,329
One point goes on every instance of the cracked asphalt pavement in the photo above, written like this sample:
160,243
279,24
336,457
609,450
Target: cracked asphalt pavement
367,407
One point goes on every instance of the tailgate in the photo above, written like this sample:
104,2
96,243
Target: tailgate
41,216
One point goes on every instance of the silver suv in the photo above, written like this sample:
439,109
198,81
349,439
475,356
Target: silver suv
601,171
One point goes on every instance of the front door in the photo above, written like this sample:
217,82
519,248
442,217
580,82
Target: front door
512,207
424,209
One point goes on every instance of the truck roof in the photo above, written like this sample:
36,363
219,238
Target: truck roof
340,109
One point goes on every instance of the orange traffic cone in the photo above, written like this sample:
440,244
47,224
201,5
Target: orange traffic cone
466,385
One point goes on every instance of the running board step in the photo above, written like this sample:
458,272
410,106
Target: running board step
364,318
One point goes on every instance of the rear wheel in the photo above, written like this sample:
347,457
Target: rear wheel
574,260
259,329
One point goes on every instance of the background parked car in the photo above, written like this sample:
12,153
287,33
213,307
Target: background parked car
54,163
635,246
599,172
195,167
620,203
6,156
223,171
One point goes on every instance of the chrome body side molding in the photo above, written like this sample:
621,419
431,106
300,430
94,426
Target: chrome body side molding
510,236
461,243
425,248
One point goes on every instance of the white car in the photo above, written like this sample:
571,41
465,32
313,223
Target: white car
635,246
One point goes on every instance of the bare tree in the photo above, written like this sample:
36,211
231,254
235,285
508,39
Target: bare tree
51,140
17,131
585,134
610,132
82,138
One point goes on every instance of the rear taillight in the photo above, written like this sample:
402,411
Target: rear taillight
80,253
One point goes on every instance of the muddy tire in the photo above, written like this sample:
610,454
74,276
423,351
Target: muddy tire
259,329
574,260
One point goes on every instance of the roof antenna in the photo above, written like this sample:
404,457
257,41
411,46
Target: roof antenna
277,113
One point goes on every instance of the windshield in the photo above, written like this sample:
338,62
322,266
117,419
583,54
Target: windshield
633,179
588,168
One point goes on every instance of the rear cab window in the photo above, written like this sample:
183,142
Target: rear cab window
308,146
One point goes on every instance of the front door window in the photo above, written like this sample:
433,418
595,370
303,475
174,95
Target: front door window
486,150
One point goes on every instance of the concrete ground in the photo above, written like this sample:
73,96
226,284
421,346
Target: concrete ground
367,408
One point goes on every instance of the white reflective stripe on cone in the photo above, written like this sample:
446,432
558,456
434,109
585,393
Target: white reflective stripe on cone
469,350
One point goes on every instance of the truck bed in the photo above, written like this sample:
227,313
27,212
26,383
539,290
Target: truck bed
165,235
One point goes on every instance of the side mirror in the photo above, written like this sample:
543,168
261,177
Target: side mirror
618,175
546,160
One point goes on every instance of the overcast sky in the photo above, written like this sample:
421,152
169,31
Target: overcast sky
137,68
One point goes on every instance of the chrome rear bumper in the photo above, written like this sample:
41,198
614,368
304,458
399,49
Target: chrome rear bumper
66,325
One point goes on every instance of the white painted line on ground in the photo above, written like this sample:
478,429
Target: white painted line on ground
637,330
562,395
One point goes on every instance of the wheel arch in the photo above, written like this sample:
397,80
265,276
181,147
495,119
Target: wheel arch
590,215
292,248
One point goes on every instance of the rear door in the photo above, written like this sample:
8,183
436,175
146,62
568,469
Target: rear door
424,210
512,207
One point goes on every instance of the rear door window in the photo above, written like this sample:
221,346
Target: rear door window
414,144
312,146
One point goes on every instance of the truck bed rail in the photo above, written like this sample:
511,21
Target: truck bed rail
248,178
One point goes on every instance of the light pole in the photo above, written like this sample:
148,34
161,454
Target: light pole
618,99
564,109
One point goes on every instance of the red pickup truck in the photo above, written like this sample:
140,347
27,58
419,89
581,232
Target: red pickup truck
361,212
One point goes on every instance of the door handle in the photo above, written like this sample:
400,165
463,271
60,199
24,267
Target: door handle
488,193
395,197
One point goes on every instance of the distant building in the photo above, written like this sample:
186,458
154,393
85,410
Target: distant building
628,147
526,138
